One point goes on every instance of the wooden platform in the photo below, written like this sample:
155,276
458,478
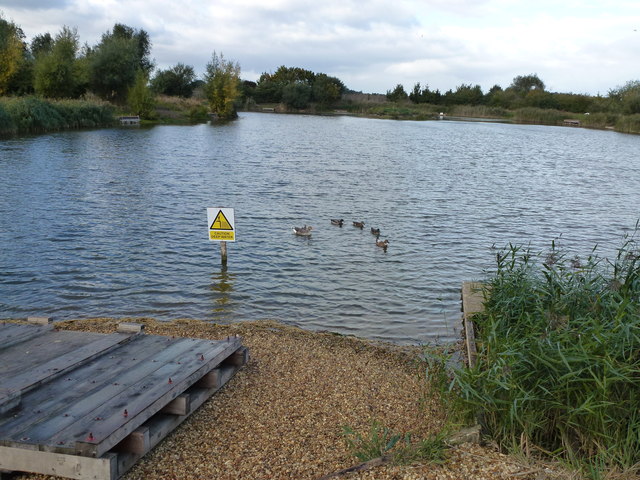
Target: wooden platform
88,405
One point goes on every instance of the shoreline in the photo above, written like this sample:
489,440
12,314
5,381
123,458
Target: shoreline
283,414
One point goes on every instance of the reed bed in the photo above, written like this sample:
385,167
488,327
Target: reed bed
628,124
478,111
20,115
540,116
558,368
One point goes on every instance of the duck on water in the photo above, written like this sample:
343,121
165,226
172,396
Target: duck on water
303,231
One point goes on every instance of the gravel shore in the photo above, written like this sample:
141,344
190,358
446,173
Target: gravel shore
281,416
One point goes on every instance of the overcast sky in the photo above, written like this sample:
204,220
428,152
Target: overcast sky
373,45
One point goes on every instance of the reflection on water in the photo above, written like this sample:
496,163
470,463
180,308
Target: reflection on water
113,222
222,288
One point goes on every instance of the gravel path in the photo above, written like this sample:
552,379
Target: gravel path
281,416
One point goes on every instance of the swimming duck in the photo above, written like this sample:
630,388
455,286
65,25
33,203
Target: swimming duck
375,231
360,225
382,244
337,222
302,231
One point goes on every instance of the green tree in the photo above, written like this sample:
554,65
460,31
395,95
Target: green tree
116,59
398,94
296,95
271,86
327,89
504,98
57,72
540,99
268,90
287,75
140,97
222,86
141,41
113,68
41,43
12,52
416,94
523,84
465,95
176,81
627,98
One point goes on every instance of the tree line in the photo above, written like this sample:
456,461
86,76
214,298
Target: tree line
525,91
119,69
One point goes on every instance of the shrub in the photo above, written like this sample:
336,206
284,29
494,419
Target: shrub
558,367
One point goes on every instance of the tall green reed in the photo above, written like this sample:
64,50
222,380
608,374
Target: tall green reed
37,115
558,366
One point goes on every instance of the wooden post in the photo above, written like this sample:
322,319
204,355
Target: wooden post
223,252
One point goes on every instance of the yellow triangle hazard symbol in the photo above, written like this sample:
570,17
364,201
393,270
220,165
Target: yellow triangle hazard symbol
221,222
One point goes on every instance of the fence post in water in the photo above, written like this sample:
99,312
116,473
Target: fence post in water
223,253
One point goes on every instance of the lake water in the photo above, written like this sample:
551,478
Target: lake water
113,222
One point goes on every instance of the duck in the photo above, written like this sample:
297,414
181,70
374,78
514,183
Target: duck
375,231
360,225
337,222
303,231
382,244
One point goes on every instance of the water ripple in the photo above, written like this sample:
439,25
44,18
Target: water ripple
112,222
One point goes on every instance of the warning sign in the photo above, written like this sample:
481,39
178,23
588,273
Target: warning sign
221,224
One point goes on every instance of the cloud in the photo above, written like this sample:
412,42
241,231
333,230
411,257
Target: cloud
372,45
35,4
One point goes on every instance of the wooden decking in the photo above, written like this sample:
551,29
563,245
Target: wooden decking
88,405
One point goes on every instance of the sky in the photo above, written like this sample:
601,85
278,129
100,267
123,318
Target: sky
585,47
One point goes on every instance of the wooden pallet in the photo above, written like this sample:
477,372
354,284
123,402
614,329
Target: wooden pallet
89,406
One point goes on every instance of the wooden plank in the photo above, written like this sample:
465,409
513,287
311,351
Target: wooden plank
57,464
472,298
41,349
56,367
89,404
472,303
157,394
11,399
13,333
87,382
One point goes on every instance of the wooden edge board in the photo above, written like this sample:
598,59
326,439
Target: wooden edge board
58,464
472,303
